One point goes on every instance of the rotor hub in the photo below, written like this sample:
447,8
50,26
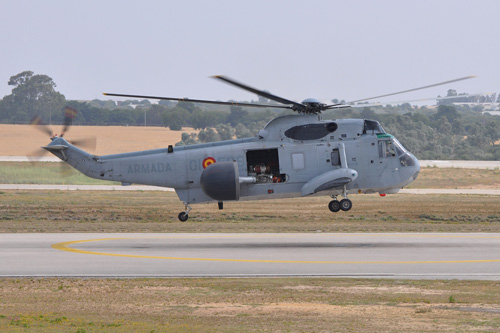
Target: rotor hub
312,105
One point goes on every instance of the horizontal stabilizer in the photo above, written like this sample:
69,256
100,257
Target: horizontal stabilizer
55,147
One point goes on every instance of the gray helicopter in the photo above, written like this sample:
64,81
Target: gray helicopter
293,156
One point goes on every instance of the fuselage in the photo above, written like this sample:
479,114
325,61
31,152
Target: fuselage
287,154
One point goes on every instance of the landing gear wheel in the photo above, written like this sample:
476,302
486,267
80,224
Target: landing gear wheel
334,206
345,204
183,216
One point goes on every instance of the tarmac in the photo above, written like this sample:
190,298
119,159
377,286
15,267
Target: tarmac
468,256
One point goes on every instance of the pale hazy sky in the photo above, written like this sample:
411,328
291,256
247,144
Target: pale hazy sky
295,49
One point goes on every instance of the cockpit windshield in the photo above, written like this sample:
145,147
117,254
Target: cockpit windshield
399,147
405,158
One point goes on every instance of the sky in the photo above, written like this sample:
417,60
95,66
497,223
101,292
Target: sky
295,49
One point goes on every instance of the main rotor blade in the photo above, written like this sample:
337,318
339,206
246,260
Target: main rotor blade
409,90
259,92
416,100
200,101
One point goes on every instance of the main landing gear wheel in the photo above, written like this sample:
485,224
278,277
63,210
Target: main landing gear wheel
183,216
334,206
345,204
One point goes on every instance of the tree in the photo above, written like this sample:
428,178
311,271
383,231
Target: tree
444,127
175,118
237,115
406,106
155,114
109,104
166,103
367,113
188,139
32,95
448,111
187,106
225,131
208,135
241,131
203,119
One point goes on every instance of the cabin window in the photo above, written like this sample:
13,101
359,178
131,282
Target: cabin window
311,131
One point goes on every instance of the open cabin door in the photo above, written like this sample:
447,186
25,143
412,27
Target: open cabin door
264,165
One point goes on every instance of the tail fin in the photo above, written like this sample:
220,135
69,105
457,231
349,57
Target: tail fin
79,159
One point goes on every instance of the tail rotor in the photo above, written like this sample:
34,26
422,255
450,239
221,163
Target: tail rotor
70,113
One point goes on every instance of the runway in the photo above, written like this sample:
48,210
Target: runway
413,256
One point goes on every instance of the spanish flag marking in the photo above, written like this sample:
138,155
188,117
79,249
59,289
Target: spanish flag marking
207,161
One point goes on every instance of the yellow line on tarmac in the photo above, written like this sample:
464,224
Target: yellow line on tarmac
65,246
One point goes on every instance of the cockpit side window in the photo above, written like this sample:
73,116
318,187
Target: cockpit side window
386,149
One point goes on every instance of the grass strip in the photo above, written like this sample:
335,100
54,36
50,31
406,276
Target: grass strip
136,211
244,305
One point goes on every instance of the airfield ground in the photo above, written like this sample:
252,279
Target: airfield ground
248,305
228,305
84,211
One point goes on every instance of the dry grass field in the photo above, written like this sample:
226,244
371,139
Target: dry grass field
248,305
22,140
450,178
135,211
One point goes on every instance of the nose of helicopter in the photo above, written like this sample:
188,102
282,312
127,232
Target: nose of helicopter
416,168
411,171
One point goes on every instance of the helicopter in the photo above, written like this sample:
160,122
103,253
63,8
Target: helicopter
292,156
